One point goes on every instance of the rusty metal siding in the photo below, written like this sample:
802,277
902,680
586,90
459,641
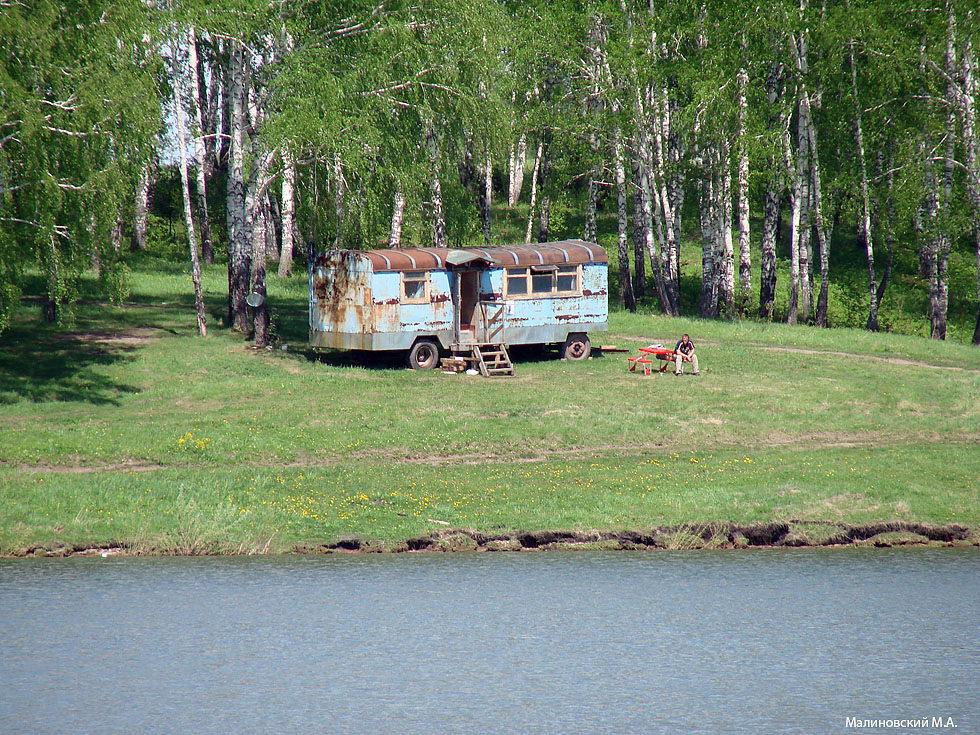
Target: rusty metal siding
550,319
353,308
340,295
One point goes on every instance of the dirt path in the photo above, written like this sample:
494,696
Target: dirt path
810,442
801,351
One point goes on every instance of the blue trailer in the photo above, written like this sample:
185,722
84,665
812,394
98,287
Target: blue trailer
464,301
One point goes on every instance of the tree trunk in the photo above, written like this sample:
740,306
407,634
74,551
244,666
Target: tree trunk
626,297
968,109
534,192
223,142
53,301
544,218
288,198
806,224
772,207
239,242
641,194
770,221
816,197
272,228
466,167
116,235
256,231
486,198
889,222
795,197
744,252
674,203
435,188
726,286
709,222
938,327
260,313
864,224
930,247
397,219
142,208
197,132
595,174
339,199
202,328
210,105
516,171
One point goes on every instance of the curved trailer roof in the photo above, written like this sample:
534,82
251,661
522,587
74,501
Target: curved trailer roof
546,253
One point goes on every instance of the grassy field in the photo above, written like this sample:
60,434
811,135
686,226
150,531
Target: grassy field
130,431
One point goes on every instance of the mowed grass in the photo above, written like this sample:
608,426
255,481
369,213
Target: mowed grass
131,430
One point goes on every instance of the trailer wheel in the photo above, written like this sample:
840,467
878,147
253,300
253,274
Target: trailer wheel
576,347
424,355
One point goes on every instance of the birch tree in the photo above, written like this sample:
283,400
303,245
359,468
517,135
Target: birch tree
79,112
180,73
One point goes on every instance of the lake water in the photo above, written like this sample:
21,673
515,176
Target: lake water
760,641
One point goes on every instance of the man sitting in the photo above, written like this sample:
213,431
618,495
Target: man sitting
685,353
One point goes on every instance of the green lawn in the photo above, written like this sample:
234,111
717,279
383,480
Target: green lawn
131,430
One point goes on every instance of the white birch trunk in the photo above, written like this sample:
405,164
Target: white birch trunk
641,178
288,205
260,314
544,172
744,251
795,167
773,197
213,111
589,235
823,234
270,220
435,189
726,290
938,330
200,154
202,328
969,98
534,192
141,208
806,231
864,223
626,297
487,198
116,236
239,243
516,171
339,199
397,220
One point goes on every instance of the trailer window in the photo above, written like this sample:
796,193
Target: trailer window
567,279
516,282
542,283
415,288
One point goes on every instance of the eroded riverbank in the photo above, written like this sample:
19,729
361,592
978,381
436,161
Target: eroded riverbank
693,536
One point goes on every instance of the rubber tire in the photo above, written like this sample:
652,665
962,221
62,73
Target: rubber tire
576,347
424,355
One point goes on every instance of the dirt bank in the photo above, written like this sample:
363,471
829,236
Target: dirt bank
717,535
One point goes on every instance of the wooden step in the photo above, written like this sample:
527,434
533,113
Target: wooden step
493,360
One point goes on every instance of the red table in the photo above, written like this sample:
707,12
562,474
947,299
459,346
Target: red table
648,355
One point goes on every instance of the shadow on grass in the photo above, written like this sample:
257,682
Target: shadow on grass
47,366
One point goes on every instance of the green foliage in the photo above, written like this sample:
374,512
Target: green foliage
77,117
114,281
